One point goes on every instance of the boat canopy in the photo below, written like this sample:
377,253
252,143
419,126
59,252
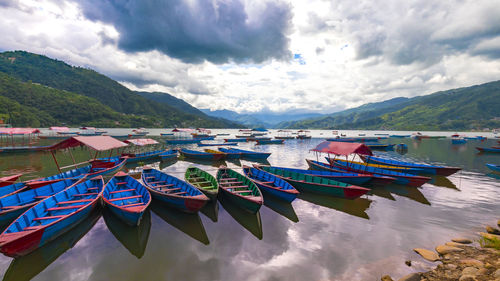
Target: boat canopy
141,142
343,148
59,129
18,131
182,130
99,143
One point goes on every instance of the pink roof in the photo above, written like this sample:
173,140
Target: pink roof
343,148
182,130
141,142
18,131
59,129
99,143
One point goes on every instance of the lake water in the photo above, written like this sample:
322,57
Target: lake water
314,238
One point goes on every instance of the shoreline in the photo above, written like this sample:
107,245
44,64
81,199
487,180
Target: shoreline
460,259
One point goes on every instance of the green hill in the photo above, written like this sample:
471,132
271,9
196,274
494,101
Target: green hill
105,94
467,108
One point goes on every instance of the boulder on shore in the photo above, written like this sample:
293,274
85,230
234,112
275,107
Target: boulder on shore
427,254
444,249
411,277
462,240
492,230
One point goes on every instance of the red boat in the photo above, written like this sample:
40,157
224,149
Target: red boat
8,180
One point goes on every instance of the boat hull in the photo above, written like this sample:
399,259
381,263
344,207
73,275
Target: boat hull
189,205
251,206
494,168
428,169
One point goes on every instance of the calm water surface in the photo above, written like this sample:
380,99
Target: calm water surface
314,238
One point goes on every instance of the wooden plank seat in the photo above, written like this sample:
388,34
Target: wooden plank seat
228,179
93,188
125,198
9,207
40,197
155,182
74,201
123,190
164,185
32,227
236,186
231,182
85,194
150,177
202,182
65,208
49,217
133,205
120,183
178,193
267,182
242,191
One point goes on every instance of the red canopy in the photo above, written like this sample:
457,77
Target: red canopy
342,148
99,143
141,142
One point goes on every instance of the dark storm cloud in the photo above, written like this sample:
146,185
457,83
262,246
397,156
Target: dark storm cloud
194,31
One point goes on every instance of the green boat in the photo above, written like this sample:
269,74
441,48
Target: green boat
308,183
202,180
239,189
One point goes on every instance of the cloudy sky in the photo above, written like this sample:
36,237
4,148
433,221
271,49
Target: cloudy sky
249,55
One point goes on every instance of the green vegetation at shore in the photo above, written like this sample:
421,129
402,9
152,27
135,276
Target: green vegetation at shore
469,108
39,91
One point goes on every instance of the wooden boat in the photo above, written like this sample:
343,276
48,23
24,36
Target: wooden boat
166,134
269,183
168,154
401,178
350,178
22,149
380,146
183,141
376,179
239,189
126,198
173,191
236,140
429,169
493,167
247,153
307,183
204,138
13,205
202,180
230,153
493,149
59,137
399,136
302,135
217,144
277,141
8,180
199,155
51,218
136,157
401,169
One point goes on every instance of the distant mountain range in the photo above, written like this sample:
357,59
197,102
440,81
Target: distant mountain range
468,108
267,120
38,91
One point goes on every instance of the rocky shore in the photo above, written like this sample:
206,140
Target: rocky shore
462,260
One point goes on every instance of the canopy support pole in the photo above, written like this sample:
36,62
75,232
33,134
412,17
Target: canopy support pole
95,155
72,157
55,160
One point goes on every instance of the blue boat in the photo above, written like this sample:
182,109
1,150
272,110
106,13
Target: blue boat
12,206
271,184
236,140
205,138
173,191
230,153
168,154
218,144
401,178
429,169
279,141
51,218
380,146
247,153
183,141
145,156
493,167
399,136
200,155
352,178
494,149
126,198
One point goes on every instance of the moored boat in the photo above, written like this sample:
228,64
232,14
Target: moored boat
271,184
493,149
126,198
202,180
8,180
236,140
173,191
200,155
168,154
239,189
493,167
380,146
247,153
51,217
308,183
276,141
429,169
217,144
183,141
230,153
401,169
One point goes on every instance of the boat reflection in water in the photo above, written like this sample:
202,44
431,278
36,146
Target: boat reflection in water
134,238
380,191
281,207
166,163
27,267
249,221
190,224
443,182
412,193
216,163
211,210
356,207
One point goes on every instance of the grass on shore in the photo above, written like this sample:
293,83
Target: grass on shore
489,243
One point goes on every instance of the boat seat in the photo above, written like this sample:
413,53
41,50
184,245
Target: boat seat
74,201
242,191
92,188
150,177
40,197
170,189
231,182
178,193
267,182
228,179
125,198
120,183
32,227
85,194
9,207
236,186
49,217
164,185
133,205
155,182
202,182
123,190
65,208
